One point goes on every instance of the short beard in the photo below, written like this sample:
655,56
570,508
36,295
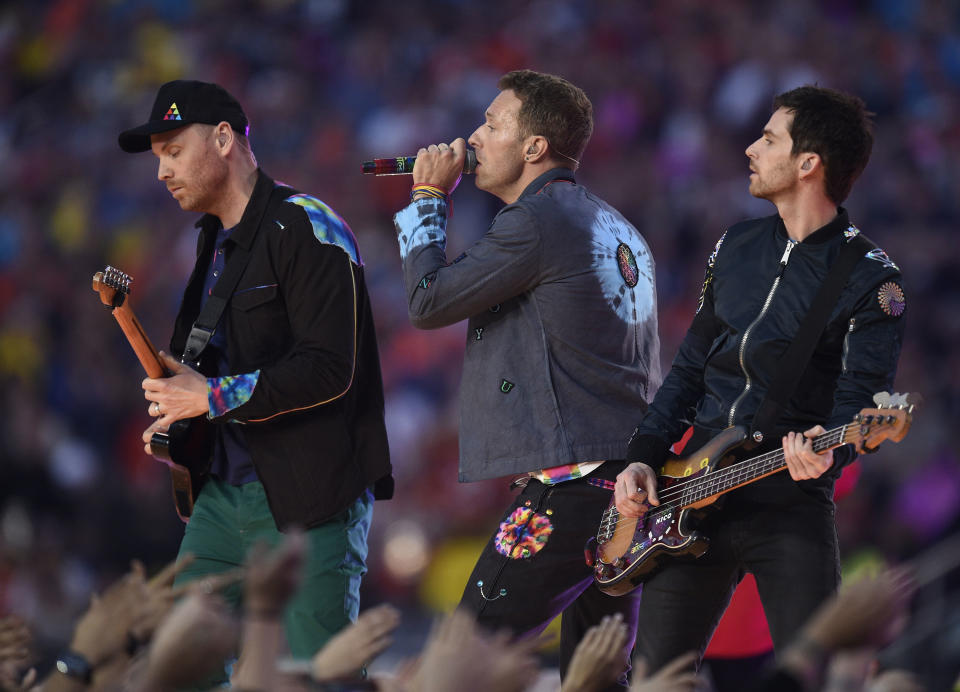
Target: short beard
209,181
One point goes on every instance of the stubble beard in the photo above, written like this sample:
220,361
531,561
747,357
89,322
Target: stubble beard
776,181
210,177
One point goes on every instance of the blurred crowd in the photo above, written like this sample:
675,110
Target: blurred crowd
679,88
144,635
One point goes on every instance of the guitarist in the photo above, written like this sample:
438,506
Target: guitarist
760,281
294,391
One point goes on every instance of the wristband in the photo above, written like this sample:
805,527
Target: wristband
433,191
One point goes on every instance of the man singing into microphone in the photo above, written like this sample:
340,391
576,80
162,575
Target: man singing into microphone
562,348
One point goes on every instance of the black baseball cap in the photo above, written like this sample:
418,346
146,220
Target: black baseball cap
182,102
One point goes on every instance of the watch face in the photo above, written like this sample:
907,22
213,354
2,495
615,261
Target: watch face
74,666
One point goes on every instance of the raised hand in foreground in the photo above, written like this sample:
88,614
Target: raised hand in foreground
458,656
356,645
599,658
15,642
272,578
864,615
677,676
191,642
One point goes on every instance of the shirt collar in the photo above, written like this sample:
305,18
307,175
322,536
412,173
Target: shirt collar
544,179
242,234
832,229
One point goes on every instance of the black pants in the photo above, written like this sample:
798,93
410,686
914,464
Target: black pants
533,568
791,549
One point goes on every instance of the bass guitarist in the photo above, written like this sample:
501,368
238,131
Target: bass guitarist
760,282
295,390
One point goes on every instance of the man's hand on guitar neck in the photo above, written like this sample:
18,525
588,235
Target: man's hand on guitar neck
635,490
181,395
802,462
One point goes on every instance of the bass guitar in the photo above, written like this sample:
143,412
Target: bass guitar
185,446
630,549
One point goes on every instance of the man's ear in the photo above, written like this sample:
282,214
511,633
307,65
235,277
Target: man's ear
535,148
223,137
809,163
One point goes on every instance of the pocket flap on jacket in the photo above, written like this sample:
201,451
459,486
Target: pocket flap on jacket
249,298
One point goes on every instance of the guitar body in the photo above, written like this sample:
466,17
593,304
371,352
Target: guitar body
185,449
629,550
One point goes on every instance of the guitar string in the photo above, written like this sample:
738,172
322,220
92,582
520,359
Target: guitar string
831,438
821,442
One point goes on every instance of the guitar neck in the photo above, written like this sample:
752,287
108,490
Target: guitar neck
147,354
744,472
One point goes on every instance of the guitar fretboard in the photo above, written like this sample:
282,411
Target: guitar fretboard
726,479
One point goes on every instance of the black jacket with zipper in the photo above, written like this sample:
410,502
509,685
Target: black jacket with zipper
757,290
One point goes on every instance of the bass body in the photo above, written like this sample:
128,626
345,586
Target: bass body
631,549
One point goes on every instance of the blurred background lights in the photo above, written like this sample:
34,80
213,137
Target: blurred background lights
405,550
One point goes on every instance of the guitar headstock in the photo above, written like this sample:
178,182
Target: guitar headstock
890,420
112,285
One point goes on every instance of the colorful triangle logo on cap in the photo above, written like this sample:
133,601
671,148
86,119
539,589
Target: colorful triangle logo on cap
172,112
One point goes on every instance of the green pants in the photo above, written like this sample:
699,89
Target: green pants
227,520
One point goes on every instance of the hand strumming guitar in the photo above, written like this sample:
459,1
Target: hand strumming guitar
636,486
182,395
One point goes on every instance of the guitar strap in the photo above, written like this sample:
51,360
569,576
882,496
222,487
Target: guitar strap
206,323
798,354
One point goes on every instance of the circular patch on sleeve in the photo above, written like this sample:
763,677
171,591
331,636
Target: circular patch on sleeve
891,299
523,534
628,265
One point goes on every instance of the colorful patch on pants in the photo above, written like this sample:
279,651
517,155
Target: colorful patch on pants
523,534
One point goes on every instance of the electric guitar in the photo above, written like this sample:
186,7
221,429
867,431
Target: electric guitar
185,447
630,549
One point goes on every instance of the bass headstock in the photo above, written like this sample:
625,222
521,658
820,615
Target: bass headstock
112,285
890,420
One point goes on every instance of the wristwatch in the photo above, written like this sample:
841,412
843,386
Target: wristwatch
75,666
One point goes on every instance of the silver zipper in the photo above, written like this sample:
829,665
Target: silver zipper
846,343
746,334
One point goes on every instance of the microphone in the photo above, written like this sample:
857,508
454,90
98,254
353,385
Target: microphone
404,164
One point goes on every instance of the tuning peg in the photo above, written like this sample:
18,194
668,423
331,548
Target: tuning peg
913,400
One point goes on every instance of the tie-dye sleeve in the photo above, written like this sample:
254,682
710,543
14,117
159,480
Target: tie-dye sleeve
229,392
504,263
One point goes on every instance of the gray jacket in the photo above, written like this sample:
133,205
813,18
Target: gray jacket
562,350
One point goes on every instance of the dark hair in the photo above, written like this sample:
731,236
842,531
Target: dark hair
553,108
834,125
